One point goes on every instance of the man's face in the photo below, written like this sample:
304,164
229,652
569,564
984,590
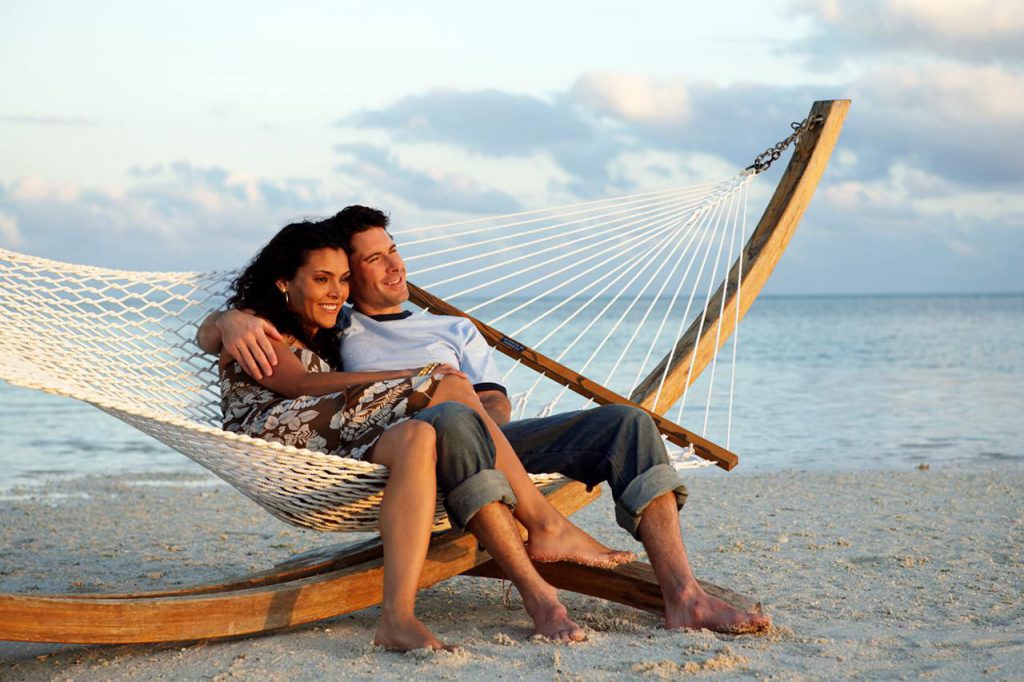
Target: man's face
378,273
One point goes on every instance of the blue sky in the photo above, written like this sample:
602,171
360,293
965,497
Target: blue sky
181,136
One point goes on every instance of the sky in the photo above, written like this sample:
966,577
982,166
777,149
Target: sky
181,136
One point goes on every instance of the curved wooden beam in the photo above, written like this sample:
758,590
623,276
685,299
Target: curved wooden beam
633,584
758,259
302,590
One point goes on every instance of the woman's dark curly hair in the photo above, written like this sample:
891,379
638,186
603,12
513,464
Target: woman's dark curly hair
256,288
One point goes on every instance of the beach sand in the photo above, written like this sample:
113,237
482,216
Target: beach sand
878,575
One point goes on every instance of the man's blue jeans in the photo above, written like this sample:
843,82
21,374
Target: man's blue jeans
614,443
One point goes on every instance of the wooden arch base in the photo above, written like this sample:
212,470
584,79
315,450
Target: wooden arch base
306,588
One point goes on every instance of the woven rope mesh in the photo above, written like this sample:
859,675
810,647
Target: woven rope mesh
125,342
577,278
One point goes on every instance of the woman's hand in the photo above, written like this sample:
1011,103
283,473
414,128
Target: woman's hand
446,370
438,371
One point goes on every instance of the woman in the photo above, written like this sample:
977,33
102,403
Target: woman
298,282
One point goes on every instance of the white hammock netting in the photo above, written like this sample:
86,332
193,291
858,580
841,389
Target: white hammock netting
606,287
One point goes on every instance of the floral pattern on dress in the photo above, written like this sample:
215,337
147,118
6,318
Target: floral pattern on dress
347,423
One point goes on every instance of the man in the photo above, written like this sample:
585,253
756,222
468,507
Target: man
614,444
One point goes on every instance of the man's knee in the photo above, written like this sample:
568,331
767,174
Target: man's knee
464,447
459,429
634,428
633,443
465,461
449,418
626,416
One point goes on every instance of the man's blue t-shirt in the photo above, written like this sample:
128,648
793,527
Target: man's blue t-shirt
405,340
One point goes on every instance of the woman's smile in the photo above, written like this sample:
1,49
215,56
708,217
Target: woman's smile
319,288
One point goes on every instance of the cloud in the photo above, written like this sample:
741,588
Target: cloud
140,172
633,97
219,188
972,30
841,253
65,121
38,189
486,121
734,122
499,124
919,193
427,189
957,121
907,231
952,125
9,235
961,122
924,187
188,217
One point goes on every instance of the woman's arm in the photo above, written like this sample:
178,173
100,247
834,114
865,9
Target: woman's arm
291,379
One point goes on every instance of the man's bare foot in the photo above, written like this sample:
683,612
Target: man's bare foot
405,634
565,541
551,619
697,610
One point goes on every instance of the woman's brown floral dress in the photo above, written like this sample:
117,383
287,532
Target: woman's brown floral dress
346,424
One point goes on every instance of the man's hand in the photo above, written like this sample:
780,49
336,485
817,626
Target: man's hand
246,338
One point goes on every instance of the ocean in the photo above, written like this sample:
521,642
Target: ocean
828,383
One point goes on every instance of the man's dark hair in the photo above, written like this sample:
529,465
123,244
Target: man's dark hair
352,220
256,288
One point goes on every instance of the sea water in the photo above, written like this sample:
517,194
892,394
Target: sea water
833,383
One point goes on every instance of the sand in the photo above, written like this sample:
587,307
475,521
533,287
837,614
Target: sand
867,575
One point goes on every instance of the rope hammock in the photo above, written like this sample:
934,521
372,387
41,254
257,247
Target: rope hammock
637,292
610,284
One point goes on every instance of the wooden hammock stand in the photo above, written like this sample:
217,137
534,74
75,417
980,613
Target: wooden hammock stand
345,578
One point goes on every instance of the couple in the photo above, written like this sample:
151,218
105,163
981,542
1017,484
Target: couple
420,395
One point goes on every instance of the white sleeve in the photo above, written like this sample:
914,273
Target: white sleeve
477,359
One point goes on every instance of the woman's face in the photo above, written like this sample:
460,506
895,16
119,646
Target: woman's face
318,288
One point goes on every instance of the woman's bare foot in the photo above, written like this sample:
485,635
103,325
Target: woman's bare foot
564,541
405,634
697,610
551,619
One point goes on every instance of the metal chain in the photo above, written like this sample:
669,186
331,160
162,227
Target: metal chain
765,159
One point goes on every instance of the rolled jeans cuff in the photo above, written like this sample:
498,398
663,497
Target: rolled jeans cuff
476,492
642,490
